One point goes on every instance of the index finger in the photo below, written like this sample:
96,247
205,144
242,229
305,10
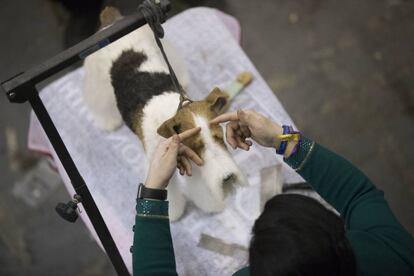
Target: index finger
231,116
188,133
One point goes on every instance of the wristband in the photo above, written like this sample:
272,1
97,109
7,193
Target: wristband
295,149
148,193
288,135
283,144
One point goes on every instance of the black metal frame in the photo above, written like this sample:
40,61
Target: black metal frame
22,88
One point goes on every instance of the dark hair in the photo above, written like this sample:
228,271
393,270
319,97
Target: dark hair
296,235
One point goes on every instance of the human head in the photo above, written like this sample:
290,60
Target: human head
296,235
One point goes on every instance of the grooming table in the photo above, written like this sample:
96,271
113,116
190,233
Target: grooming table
111,163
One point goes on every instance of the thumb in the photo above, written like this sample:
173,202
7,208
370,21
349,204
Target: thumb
173,146
175,143
243,117
176,139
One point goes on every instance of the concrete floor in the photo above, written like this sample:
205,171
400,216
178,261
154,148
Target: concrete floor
344,70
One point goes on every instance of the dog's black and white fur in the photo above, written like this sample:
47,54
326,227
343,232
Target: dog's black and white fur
134,88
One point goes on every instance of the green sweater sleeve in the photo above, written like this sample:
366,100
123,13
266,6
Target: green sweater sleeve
152,252
380,243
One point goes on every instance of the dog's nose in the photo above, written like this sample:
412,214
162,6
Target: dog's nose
229,179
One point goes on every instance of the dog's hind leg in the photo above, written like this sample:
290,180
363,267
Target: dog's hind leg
98,92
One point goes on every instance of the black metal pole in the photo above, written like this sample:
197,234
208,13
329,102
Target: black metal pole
22,88
78,183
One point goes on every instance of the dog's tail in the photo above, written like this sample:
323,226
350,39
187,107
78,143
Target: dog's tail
128,62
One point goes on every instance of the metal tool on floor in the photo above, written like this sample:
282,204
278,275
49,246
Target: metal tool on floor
22,88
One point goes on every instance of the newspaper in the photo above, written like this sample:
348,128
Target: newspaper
112,162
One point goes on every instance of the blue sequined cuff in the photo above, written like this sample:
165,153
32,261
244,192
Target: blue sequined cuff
301,156
149,208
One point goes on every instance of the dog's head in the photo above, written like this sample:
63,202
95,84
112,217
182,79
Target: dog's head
219,172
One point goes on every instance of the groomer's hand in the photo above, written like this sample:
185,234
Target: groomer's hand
169,155
249,124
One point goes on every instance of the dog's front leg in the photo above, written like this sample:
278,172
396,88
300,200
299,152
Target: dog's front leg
176,198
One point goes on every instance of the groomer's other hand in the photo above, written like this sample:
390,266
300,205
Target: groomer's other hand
170,154
249,124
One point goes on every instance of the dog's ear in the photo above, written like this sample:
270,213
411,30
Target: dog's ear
217,100
109,15
168,128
